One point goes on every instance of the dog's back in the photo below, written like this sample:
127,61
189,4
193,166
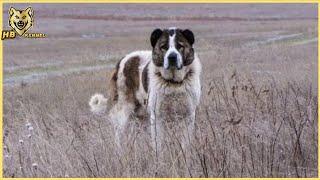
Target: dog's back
127,86
128,81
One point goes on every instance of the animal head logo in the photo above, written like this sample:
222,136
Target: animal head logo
21,20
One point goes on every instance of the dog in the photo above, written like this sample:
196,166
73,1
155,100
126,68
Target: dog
163,83
21,20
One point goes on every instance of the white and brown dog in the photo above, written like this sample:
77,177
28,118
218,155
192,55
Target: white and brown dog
164,82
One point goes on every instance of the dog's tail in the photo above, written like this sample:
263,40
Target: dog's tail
98,103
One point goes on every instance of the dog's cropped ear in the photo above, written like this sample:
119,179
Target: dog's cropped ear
29,11
155,35
12,11
188,35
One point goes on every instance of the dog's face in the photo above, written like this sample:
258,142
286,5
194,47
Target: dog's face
21,20
172,53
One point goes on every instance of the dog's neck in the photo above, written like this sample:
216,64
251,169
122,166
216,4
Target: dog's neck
171,82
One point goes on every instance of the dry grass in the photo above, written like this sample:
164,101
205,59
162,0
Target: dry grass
243,130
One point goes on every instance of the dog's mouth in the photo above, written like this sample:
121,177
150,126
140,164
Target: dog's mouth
20,24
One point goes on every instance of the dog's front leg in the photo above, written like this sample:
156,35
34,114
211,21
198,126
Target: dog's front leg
153,132
188,137
156,135
152,103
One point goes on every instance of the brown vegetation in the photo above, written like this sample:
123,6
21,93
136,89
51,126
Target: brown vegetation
258,111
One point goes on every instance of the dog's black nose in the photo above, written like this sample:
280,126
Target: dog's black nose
172,59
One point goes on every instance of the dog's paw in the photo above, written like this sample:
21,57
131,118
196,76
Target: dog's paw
98,103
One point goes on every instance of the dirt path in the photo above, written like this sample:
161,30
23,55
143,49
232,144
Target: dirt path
33,77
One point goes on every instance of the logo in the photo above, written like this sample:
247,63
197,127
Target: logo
20,21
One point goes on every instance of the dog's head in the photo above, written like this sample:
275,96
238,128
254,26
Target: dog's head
172,53
21,20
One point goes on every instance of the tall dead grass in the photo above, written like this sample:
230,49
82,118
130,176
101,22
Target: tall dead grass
244,128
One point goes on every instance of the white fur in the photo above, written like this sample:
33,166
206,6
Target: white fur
98,103
157,91
146,57
172,49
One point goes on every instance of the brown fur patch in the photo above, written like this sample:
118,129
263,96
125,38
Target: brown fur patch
131,73
158,53
113,89
145,78
187,51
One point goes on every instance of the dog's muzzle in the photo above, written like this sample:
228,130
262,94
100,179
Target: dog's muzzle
20,25
173,61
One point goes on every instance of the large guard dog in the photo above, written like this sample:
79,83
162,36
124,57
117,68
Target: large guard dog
164,82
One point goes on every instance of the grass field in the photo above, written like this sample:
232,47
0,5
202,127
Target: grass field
258,111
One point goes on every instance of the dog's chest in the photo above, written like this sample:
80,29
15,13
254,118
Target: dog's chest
174,107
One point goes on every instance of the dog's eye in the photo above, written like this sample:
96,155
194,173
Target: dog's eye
179,47
23,17
164,47
17,17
